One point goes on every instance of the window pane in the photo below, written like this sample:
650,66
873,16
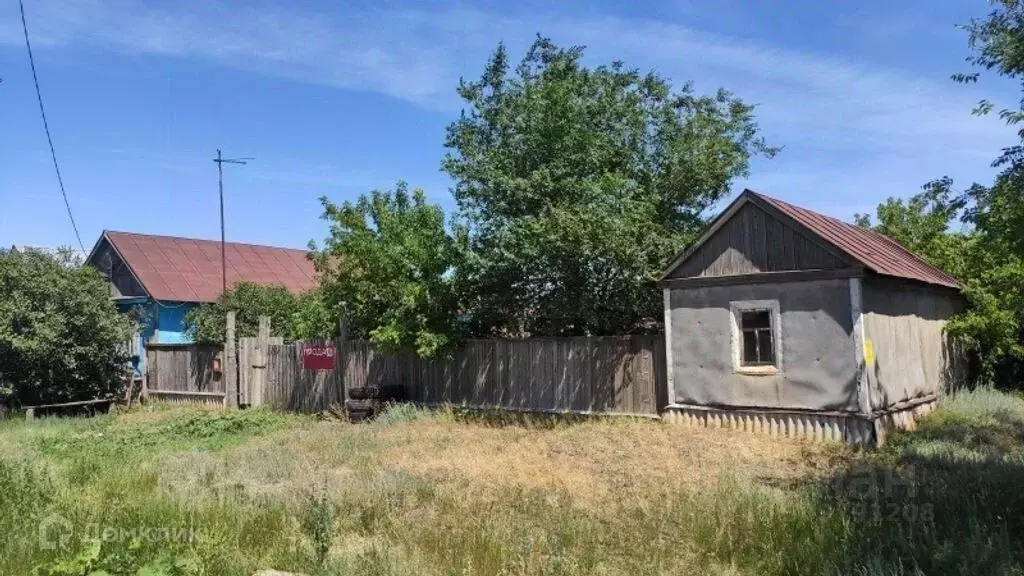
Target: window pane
764,338
756,319
749,348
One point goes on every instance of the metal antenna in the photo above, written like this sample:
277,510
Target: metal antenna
220,183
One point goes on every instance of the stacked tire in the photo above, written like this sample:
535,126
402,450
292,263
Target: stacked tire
365,402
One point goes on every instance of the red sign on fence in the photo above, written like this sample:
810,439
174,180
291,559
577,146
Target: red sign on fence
318,357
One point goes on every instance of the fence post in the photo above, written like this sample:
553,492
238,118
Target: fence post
144,394
231,364
342,358
264,331
258,369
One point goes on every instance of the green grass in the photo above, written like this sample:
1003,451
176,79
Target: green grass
190,491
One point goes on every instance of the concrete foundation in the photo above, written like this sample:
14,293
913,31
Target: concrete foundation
845,427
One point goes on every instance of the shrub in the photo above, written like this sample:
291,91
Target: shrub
61,336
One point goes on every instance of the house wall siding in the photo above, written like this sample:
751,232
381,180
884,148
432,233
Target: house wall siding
171,322
819,369
755,241
905,326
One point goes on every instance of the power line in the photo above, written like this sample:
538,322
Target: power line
46,125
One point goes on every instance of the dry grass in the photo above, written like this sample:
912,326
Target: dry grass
595,461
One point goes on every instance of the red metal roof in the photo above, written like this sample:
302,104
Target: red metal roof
189,270
872,250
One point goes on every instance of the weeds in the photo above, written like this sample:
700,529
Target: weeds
401,413
317,521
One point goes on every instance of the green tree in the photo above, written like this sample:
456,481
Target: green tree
388,261
313,318
994,281
61,337
997,45
577,185
291,317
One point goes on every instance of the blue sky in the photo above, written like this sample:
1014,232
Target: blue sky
338,98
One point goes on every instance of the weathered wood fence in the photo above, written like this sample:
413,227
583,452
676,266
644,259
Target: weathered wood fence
624,375
184,373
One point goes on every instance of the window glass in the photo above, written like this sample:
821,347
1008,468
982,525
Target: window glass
749,347
758,340
765,347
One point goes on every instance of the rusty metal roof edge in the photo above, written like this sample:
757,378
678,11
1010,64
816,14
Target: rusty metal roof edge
289,254
918,269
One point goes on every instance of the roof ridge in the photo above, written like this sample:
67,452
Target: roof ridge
832,218
190,238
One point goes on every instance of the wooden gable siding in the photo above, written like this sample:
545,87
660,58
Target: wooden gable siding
755,241
122,282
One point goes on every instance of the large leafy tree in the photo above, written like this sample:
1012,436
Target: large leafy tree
61,337
994,281
388,262
577,184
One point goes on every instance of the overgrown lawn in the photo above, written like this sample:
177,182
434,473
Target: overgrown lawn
192,491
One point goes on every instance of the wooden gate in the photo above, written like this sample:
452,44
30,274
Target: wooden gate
184,373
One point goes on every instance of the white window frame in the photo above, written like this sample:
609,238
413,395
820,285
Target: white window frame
736,335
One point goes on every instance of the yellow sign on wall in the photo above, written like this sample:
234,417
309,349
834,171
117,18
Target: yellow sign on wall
869,352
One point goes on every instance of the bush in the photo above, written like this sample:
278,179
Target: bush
61,336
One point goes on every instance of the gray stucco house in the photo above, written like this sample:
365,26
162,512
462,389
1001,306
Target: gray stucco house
784,321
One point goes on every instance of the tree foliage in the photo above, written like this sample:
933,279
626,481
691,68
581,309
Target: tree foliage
388,262
994,281
291,317
61,337
577,184
997,45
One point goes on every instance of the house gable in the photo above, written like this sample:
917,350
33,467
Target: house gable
120,278
749,239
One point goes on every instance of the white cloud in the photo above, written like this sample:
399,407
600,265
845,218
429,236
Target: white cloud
833,115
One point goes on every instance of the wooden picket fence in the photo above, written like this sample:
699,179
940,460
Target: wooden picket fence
620,375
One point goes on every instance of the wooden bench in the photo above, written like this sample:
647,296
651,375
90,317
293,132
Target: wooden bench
31,411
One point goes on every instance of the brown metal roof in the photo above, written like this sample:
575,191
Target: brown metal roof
872,250
189,270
